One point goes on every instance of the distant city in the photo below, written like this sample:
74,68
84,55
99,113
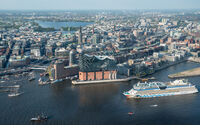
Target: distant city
97,47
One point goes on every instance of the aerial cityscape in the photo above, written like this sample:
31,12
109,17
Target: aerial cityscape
90,64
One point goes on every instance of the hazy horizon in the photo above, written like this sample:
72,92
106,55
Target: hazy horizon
98,5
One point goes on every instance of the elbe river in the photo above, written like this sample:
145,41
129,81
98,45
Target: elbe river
99,104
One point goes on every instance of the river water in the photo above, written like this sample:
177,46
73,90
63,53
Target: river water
100,104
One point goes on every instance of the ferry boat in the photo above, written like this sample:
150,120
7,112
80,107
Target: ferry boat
39,118
158,89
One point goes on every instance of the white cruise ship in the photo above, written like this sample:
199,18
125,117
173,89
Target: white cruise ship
158,89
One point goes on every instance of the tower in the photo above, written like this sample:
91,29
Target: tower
93,29
80,36
114,28
72,58
59,69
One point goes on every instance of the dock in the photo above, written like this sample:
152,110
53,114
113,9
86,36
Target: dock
187,73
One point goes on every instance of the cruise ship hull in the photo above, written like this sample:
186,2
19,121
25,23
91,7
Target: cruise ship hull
160,93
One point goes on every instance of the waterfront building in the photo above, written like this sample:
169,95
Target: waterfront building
97,68
16,61
60,71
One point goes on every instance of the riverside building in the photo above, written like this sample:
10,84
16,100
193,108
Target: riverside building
97,68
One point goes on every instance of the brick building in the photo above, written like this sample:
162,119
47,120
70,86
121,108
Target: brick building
61,71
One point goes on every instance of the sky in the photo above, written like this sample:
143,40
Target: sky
97,4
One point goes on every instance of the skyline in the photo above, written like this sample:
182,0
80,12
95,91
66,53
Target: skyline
103,4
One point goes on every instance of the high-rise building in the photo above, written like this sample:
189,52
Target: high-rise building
80,36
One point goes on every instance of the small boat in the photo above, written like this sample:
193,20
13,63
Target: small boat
56,81
40,79
43,82
152,78
68,78
130,113
15,94
16,86
31,79
3,81
154,105
43,74
40,118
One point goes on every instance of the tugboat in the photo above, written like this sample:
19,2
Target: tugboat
40,118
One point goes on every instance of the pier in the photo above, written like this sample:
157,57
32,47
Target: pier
187,73
103,81
194,59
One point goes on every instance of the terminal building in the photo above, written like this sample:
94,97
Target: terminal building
97,68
